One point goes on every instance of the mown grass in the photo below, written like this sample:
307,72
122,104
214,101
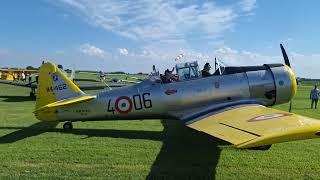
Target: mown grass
155,149
131,77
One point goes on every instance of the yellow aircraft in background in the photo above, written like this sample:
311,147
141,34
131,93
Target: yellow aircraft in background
16,74
18,77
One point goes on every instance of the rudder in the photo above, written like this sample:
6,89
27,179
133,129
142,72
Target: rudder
53,86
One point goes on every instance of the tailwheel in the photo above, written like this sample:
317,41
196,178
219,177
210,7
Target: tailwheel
67,126
263,148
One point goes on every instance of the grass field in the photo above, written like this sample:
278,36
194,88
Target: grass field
155,149
110,76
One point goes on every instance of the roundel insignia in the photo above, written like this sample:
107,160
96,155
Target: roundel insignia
123,104
281,83
268,116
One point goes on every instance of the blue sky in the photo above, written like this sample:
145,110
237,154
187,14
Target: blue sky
114,35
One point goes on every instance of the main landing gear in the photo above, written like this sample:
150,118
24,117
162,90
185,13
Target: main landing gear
67,126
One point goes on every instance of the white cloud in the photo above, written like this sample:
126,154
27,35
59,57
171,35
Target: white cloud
303,65
247,5
285,41
160,20
91,50
123,51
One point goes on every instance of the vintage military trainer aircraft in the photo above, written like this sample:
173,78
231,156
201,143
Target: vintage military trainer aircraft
33,84
233,104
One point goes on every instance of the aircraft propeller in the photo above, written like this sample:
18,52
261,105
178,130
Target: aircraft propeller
285,56
286,62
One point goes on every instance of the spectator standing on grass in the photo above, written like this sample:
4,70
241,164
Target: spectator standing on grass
314,96
23,76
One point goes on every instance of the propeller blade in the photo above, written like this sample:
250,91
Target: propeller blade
285,56
287,62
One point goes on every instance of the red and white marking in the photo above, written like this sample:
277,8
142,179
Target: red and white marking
170,91
268,116
179,56
123,105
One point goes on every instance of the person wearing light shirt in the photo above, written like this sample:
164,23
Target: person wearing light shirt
314,96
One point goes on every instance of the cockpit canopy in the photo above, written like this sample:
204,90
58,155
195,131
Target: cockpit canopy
188,70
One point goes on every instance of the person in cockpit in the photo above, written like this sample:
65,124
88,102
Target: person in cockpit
206,70
169,76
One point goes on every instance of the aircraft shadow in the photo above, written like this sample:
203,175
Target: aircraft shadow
26,132
185,153
17,98
39,128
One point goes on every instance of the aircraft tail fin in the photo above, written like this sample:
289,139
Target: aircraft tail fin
53,86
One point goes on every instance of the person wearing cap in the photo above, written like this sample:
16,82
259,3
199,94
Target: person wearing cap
314,96
206,70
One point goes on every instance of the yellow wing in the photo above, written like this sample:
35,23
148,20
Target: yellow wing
255,125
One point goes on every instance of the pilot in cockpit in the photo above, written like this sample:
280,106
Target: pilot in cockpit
206,70
169,76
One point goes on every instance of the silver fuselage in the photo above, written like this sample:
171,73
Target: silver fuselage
266,85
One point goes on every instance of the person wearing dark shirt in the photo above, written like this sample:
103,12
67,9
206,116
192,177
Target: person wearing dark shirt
206,70
169,76
314,96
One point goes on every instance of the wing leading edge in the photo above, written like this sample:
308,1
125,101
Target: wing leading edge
255,125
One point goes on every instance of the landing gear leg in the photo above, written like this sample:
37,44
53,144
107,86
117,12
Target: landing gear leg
67,126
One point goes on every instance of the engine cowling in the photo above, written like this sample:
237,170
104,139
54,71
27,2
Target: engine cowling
271,83
285,84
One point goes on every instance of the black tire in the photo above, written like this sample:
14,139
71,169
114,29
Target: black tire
262,148
67,126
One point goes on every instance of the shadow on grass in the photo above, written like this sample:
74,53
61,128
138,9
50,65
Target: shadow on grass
26,132
17,98
185,153
39,128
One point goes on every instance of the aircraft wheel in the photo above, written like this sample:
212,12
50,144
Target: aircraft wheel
265,147
67,126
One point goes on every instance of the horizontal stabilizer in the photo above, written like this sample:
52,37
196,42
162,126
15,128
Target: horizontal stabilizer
66,102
